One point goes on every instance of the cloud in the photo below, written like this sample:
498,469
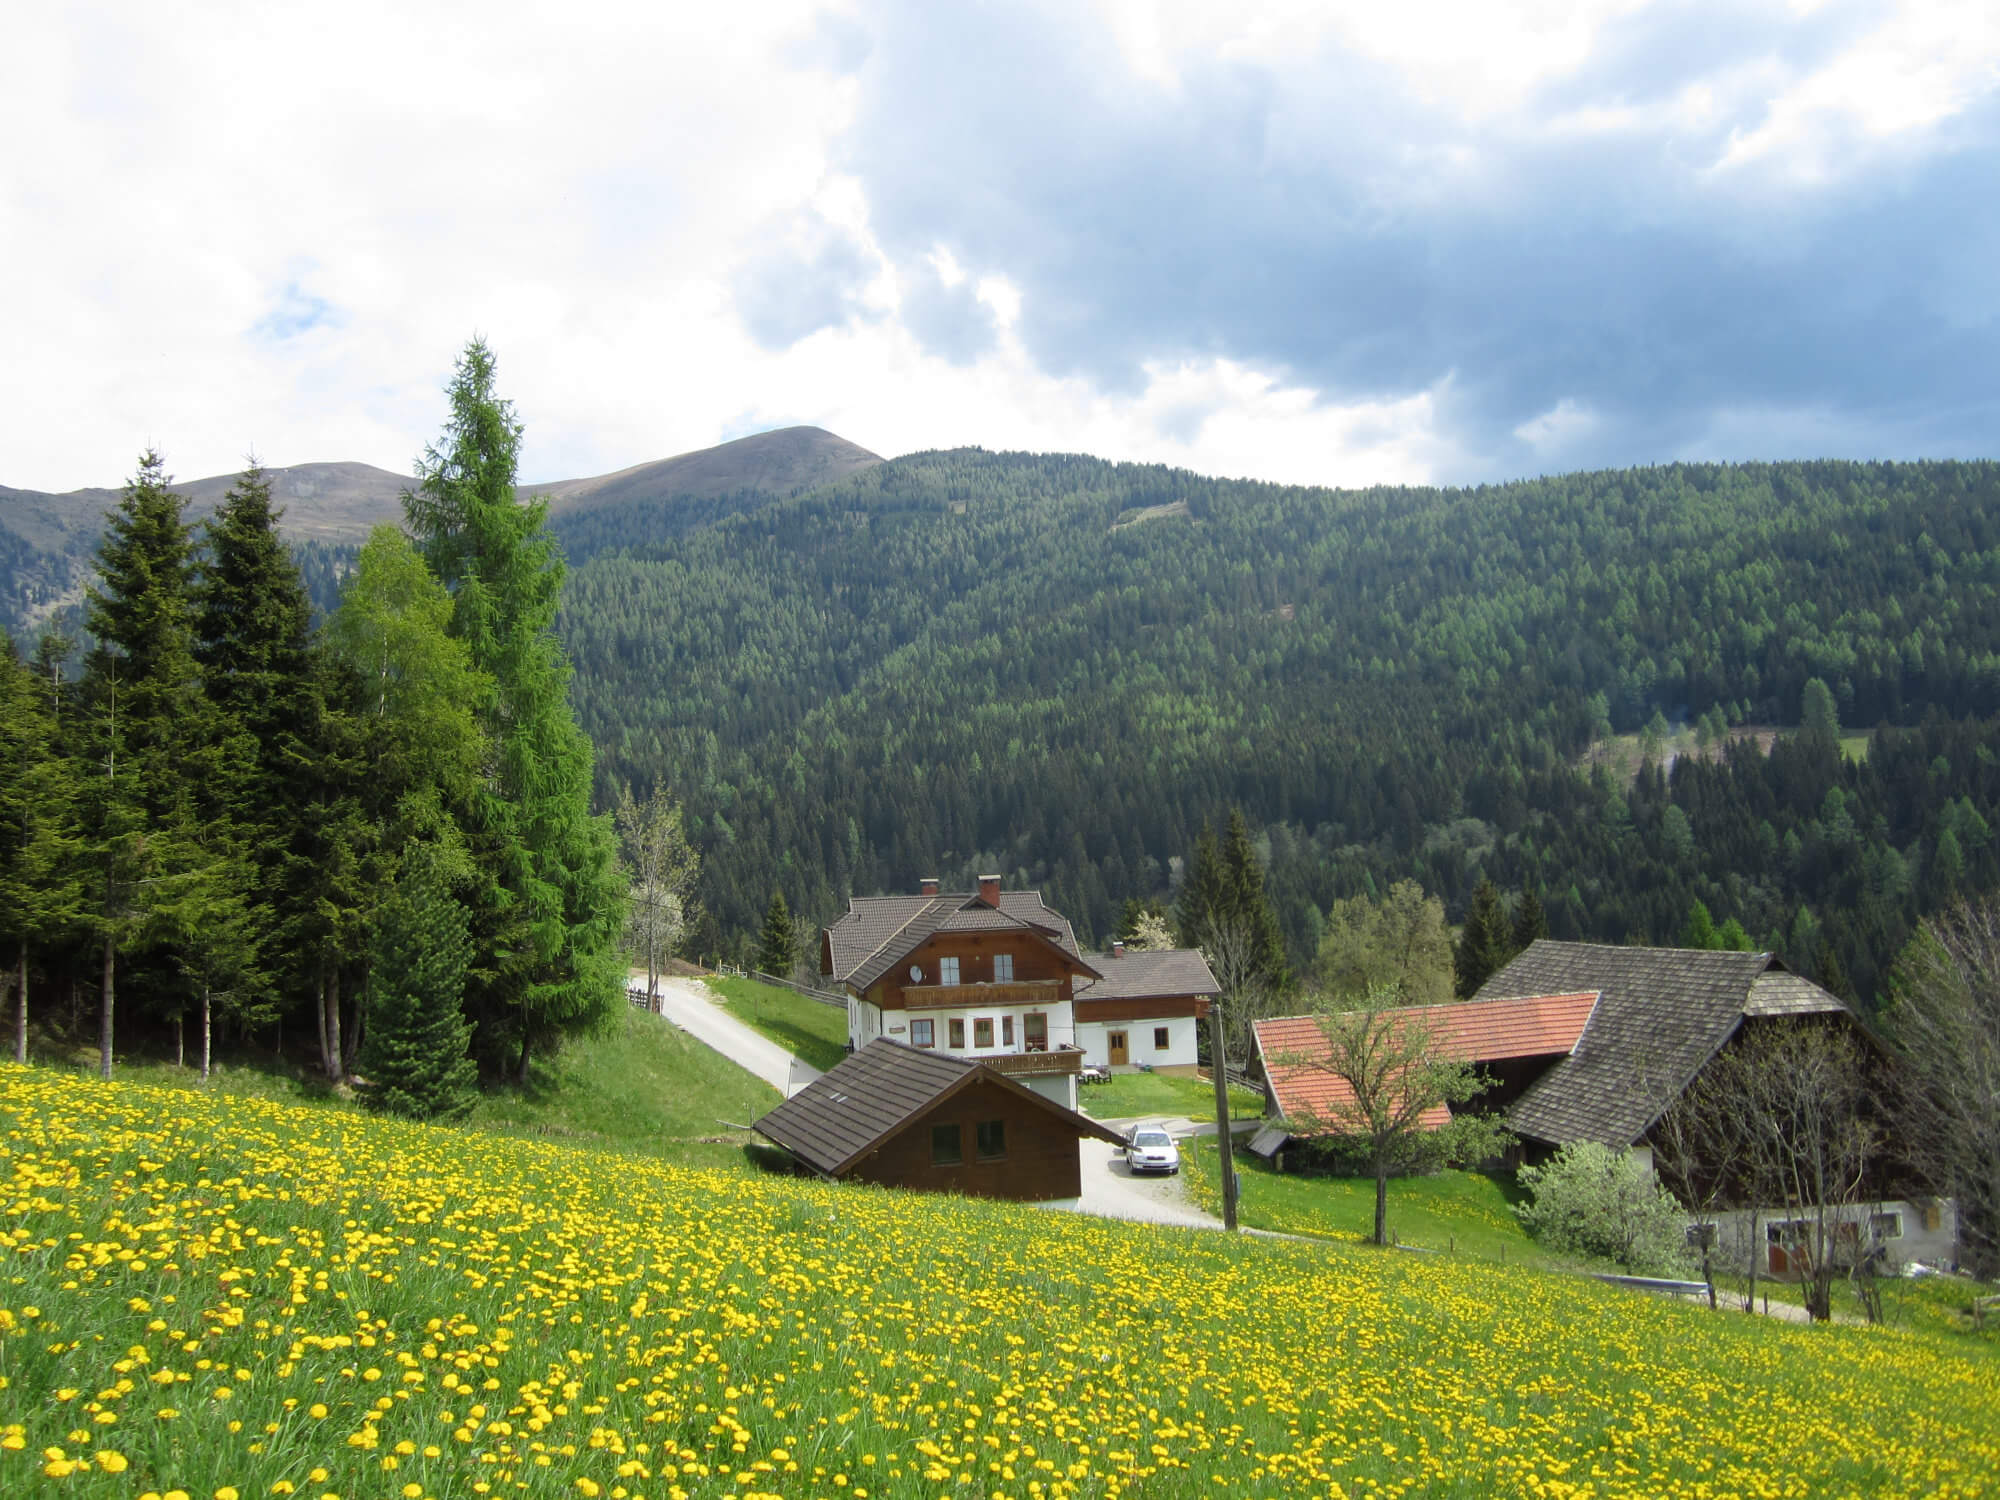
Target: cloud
1291,240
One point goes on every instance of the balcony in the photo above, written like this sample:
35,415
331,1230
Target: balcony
1055,1060
989,995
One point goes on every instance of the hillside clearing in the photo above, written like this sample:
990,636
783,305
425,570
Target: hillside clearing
212,1293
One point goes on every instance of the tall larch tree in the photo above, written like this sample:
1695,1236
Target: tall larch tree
547,960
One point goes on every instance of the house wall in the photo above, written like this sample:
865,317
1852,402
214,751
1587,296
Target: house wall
1179,1056
1928,1233
1034,959
1041,1161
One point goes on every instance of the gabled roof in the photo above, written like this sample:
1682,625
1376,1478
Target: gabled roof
1134,975
845,1113
879,930
1477,1031
1663,1015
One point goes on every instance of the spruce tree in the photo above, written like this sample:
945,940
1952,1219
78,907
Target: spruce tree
253,645
548,919
1248,906
1201,890
1530,921
777,942
416,1059
142,722
1482,942
39,890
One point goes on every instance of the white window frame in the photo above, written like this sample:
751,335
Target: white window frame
947,971
1003,968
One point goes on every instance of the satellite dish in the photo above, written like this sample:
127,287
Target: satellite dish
916,971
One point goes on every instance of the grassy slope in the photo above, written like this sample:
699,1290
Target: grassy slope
812,1032
370,1306
1463,1212
1127,1094
645,1085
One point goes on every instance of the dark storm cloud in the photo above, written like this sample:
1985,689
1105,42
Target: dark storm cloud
1321,222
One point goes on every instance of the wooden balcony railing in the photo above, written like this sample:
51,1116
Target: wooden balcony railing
1056,1060
990,993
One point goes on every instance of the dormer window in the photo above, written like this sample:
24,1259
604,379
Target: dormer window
1003,968
947,971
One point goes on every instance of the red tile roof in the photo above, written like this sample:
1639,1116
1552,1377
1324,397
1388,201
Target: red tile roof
1478,1031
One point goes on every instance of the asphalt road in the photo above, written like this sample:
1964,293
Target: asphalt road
690,1006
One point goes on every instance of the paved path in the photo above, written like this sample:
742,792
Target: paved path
690,1005
1112,1192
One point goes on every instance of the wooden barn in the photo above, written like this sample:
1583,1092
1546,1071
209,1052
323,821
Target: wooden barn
902,1117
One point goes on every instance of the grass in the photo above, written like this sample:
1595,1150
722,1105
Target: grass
1623,753
1465,1213
810,1031
1125,1095
232,1297
647,1085
643,1086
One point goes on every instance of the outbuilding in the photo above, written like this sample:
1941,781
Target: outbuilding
906,1117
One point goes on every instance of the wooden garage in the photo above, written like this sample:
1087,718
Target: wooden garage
900,1117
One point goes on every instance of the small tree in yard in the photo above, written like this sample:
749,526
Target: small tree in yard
663,866
1591,1200
417,1057
1394,1077
1945,1021
777,942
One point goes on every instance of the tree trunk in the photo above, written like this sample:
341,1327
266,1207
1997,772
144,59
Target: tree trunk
180,1042
334,1069
527,1054
1756,1254
207,1033
21,1007
105,1007
354,1031
1381,1204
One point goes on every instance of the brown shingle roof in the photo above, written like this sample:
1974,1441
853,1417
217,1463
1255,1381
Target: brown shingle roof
1477,1031
1145,976
1663,1014
846,1112
879,930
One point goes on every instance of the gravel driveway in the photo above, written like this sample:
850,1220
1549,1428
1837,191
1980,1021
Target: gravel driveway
1112,1192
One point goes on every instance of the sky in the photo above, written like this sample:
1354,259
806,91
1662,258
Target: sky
1334,244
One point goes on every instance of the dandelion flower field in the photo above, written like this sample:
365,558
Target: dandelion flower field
220,1298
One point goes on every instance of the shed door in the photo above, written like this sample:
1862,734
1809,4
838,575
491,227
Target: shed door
1120,1054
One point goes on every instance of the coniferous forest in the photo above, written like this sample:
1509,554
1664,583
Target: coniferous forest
1060,668
953,663
373,834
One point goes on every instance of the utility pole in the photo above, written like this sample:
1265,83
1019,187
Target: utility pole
1225,1149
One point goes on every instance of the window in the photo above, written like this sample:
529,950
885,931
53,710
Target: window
1003,968
957,1033
1006,1031
923,1033
1886,1226
992,1139
947,971
982,1032
1159,1038
1700,1237
1035,1031
946,1151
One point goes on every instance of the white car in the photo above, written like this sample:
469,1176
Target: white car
1152,1150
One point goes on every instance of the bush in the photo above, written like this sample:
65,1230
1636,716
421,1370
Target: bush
1589,1200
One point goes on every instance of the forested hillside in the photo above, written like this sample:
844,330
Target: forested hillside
1059,667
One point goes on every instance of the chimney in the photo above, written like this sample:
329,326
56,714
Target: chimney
927,886
989,889
1118,947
